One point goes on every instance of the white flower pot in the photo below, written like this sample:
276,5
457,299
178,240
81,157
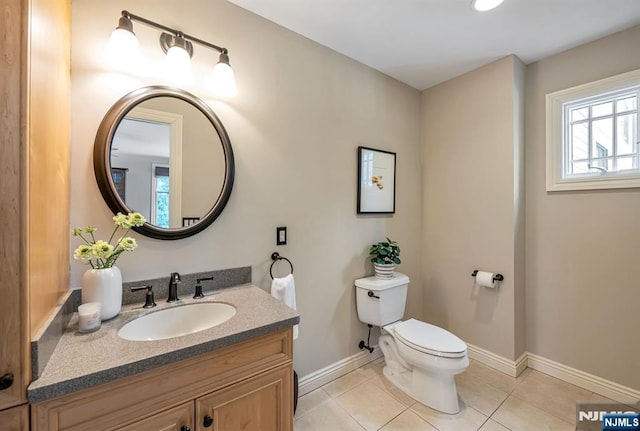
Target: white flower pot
103,286
383,270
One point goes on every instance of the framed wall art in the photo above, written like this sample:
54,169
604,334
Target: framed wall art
376,181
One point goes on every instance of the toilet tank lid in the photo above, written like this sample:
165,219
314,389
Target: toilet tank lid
373,283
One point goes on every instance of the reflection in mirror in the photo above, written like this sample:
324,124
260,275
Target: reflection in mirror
165,150
162,152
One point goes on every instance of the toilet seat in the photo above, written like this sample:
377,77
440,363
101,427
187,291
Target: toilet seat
429,339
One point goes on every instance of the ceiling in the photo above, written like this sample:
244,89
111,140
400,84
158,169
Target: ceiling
425,42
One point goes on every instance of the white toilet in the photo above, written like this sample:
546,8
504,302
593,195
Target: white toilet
421,359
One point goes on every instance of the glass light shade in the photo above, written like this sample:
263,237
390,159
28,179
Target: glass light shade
178,66
222,82
123,50
485,5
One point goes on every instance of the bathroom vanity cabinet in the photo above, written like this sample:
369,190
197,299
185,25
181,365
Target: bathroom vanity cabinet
246,386
15,419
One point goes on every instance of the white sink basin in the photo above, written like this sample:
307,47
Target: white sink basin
177,321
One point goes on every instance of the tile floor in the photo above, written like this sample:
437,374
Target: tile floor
490,401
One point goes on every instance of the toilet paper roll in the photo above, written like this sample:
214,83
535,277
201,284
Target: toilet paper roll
485,279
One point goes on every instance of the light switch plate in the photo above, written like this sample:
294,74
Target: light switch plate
281,235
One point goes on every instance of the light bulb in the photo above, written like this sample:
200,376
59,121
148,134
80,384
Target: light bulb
222,82
123,50
178,66
485,5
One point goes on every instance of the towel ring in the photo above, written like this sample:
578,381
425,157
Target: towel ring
275,256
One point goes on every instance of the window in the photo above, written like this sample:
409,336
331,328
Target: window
592,135
160,196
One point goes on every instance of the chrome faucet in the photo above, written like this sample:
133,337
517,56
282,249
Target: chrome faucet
174,280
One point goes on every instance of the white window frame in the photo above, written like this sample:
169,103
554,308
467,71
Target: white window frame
154,192
555,122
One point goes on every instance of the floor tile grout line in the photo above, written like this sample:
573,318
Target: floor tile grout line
394,397
485,421
393,418
350,415
498,408
390,393
404,407
417,414
315,406
351,388
543,410
495,386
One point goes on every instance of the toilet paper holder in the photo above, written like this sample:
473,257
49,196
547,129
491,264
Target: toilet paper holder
497,277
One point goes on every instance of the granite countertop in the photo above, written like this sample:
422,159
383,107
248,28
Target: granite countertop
81,360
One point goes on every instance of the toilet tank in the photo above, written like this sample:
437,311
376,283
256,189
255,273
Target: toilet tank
389,306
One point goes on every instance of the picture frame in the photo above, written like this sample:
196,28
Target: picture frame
376,181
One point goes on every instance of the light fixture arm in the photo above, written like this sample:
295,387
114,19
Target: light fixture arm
177,33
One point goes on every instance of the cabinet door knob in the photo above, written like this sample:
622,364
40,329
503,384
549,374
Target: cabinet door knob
185,428
6,381
207,422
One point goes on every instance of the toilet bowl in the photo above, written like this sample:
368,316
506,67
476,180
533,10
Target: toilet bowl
420,359
424,370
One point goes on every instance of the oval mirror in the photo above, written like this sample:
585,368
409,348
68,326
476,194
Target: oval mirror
164,153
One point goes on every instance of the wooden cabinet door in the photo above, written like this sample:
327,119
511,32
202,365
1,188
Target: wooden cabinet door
261,403
176,419
15,419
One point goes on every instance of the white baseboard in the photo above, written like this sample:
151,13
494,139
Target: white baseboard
587,381
568,374
331,372
497,362
522,363
584,380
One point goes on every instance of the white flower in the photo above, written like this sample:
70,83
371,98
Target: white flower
122,220
136,219
127,243
83,252
101,254
102,249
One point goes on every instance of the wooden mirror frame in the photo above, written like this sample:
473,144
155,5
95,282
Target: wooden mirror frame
102,159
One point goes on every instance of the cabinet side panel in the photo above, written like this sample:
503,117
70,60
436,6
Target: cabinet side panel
13,334
48,131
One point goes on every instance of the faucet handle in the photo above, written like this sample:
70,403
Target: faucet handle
198,293
148,301
199,280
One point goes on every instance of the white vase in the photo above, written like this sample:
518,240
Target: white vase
103,286
383,270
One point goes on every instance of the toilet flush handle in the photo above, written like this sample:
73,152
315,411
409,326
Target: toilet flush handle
372,295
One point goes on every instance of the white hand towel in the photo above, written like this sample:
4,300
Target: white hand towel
284,290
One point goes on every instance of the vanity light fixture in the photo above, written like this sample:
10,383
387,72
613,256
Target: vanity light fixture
123,49
485,5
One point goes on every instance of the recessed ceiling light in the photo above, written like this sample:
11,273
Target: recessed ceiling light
485,5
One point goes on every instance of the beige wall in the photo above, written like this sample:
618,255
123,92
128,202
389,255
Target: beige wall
582,248
302,111
473,211
295,126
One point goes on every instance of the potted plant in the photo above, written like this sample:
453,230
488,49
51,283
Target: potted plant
385,255
103,282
